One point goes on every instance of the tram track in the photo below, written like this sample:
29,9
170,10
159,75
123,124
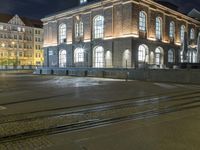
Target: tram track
100,106
69,94
97,116
96,123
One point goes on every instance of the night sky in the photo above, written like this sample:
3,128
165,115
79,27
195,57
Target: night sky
40,8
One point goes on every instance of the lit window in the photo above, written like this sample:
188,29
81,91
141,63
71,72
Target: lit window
98,57
182,33
98,27
62,58
158,28
142,21
171,30
142,53
192,34
1,27
19,29
170,56
79,29
192,56
158,56
83,1
79,55
62,33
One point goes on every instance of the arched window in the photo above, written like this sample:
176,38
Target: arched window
79,55
142,53
192,34
62,58
182,33
62,33
170,56
158,28
142,21
98,57
79,29
171,30
98,27
158,56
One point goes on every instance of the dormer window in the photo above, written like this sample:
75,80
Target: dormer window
83,1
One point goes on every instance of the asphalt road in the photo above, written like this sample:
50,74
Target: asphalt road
159,116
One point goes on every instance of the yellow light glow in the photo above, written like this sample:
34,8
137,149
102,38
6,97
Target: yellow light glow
70,42
123,36
49,45
165,41
3,45
193,46
87,40
178,43
151,39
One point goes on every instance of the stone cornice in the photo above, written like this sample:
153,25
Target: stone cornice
105,3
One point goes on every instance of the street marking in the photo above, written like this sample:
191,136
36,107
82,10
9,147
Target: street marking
2,108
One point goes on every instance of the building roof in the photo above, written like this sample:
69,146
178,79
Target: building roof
194,14
5,18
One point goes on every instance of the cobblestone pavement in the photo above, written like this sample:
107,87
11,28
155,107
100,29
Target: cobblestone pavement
29,103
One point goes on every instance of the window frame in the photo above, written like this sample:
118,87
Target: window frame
62,33
98,27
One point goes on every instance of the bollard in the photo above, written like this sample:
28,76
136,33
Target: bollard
103,74
67,72
52,72
127,76
86,73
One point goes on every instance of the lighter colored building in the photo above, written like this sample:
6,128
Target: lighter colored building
21,41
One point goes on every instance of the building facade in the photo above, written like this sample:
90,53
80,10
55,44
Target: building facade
21,41
120,34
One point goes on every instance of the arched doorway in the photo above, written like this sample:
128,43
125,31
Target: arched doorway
126,59
159,56
79,55
143,54
62,58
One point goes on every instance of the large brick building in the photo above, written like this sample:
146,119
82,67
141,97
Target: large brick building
120,34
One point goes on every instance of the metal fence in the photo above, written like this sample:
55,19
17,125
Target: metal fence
10,67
